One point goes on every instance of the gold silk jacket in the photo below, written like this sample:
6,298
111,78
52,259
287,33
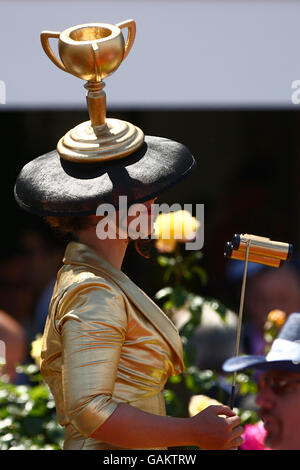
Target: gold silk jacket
105,342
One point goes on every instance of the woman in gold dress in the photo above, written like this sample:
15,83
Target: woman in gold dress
108,349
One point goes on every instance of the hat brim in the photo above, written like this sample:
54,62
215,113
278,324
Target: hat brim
51,186
239,363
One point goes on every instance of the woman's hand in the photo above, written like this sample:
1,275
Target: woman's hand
131,428
212,431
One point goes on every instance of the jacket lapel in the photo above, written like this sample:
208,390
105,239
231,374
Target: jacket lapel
80,254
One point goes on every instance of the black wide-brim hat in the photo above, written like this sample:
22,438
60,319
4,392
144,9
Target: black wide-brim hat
283,355
52,186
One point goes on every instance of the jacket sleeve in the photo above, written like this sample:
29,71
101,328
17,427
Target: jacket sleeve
92,323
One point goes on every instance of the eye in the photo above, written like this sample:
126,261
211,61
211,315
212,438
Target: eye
280,386
282,383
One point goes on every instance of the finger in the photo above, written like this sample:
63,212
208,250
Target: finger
238,441
223,410
233,421
236,432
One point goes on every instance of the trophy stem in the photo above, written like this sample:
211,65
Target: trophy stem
100,138
96,102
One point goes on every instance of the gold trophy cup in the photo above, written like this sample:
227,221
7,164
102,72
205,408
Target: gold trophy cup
92,52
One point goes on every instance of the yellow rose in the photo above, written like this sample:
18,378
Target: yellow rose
198,403
36,348
165,246
277,317
173,227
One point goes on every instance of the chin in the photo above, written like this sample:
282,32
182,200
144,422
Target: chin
274,444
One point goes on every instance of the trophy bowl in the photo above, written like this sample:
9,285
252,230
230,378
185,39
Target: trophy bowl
91,51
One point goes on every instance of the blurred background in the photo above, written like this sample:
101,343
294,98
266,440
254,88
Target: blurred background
215,75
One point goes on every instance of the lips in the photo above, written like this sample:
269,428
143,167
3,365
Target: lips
269,422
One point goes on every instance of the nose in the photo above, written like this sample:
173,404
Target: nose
265,398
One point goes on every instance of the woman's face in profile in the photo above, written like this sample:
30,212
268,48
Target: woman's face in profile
133,222
140,219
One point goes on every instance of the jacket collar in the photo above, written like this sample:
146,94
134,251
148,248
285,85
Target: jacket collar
80,254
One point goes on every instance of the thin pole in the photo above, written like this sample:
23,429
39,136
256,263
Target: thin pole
239,327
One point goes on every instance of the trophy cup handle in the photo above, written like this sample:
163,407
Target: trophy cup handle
45,35
130,24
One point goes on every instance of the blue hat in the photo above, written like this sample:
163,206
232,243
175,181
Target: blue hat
283,355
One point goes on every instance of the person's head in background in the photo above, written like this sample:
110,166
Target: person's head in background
16,298
278,397
13,337
43,252
270,289
266,289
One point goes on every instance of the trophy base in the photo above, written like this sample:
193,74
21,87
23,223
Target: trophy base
115,139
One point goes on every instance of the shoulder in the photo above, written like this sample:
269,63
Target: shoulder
77,279
87,296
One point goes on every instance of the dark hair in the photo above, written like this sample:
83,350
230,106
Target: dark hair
69,226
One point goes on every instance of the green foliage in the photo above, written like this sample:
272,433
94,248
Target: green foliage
27,415
180,271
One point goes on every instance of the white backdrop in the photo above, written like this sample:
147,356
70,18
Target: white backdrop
186,54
